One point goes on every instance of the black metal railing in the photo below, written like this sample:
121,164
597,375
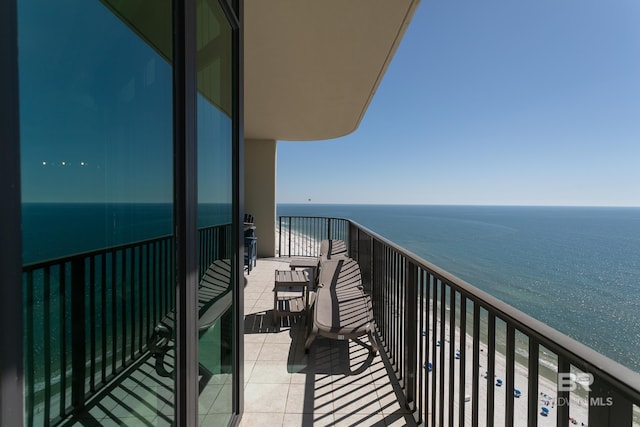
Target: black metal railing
89,316
301,236
449,344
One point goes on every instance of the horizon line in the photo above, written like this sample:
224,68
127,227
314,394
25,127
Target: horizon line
457,204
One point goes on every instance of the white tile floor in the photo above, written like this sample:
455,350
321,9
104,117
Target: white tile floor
338,383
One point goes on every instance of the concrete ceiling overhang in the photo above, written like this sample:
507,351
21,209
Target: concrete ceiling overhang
312,66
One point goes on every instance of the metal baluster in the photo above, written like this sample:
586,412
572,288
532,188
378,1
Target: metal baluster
46,325
441,362
475,397
491,359
452,349
92,324
463,358
532,389
78,348
510,379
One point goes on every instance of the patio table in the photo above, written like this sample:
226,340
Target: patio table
294,284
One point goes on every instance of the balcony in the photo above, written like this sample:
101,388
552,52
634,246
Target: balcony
450,352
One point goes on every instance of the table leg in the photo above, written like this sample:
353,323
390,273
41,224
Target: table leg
275,306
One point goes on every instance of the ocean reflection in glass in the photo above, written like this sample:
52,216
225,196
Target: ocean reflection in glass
96,115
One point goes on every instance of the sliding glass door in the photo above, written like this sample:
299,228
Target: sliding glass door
96,114
128,305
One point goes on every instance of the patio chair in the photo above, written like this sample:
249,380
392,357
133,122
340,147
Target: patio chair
341,309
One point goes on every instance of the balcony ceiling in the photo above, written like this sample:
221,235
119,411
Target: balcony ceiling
312,67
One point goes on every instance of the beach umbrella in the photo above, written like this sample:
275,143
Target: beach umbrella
517,392
498,382
545,411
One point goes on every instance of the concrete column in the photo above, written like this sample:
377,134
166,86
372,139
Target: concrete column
260,191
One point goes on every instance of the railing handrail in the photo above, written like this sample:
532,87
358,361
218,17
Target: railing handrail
548,336
314,217
93,252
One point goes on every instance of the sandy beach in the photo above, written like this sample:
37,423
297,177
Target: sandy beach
547,390
300,243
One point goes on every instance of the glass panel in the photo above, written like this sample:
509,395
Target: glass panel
97,175
215,186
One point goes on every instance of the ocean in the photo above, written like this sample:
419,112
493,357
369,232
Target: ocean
53,230
576,269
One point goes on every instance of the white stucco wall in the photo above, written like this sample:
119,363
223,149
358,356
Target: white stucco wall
260,191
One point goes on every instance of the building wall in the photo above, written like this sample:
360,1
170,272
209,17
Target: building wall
260,191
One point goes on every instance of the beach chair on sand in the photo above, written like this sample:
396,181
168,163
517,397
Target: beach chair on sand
341,309
214,299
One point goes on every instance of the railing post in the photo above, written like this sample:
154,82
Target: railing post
351,247
532,383
279,236
353,235
289,234
452,349
491,367
77,332
463,356
375,295
563,396
608,407
475,393
223,248
410,334
329,228
353,244
510,380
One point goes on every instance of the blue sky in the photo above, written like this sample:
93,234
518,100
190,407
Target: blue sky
492,102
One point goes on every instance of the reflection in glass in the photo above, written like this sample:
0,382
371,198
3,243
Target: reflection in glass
215,181
97,175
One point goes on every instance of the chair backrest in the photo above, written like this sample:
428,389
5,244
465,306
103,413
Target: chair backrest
250,231
340,273
330,249
214,293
